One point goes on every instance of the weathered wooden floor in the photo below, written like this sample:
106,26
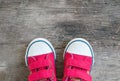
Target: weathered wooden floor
59,21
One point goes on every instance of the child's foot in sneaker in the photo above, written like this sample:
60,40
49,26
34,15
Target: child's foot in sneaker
39,58
78,60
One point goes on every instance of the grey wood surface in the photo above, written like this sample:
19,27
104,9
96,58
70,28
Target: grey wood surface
59,21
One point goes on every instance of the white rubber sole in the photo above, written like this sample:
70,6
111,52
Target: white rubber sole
35,40
84,41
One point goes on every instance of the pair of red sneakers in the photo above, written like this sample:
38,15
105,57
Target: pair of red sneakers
78,60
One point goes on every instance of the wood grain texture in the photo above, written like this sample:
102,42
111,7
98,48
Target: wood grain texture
59,21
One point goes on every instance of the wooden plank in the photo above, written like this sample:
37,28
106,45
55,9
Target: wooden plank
59,21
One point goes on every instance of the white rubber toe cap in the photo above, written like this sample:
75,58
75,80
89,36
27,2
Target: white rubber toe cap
79,46
39,46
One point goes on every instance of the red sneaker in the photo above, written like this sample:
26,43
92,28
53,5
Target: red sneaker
78,60
40,59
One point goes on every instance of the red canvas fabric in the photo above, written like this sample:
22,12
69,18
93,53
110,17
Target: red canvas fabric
42,67
77,66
